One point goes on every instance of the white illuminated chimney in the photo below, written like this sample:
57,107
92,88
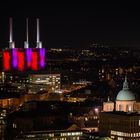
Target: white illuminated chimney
26,43
11,43
38,42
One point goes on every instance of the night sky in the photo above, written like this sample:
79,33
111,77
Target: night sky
74,25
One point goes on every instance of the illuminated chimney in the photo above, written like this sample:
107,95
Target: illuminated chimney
11,43
38,42
26,43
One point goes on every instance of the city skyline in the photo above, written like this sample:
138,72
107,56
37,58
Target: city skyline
69,71
73,24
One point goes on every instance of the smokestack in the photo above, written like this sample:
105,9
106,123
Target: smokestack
26,43
38,30
11,43
27,40
39,43
11,30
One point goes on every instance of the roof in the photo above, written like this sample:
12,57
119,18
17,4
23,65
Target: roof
125,94
122,113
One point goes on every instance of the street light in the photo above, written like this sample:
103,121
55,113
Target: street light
96,110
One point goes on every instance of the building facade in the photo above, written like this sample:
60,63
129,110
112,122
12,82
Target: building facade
52,80
120,120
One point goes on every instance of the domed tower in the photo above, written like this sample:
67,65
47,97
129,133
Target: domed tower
108,106
125,99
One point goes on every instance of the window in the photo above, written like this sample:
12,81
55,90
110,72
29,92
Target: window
119,138
120,107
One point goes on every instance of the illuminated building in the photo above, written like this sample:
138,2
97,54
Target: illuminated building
107,72
53,135
120,125
10,96
48,117
125,101
6,60
3,124
121,120
52,80
108,106
24,59
87,120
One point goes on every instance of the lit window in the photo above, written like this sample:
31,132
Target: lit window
14,125
119,138
139,122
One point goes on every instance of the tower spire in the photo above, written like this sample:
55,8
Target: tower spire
125,83
108,99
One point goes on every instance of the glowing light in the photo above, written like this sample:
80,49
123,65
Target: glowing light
96,110
6,60
42,57
29,57
20,61
24,59
34,61
14,58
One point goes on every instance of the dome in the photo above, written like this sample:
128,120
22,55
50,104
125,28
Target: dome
125,94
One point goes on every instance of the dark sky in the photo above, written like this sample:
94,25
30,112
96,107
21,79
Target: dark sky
72,24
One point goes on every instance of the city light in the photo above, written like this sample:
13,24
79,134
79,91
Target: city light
96,110
24,59
42,57
6,60
14,56
34,61
29,57
20,61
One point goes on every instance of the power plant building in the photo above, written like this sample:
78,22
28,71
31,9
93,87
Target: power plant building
24,59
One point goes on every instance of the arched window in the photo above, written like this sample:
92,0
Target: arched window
129,108
120,107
